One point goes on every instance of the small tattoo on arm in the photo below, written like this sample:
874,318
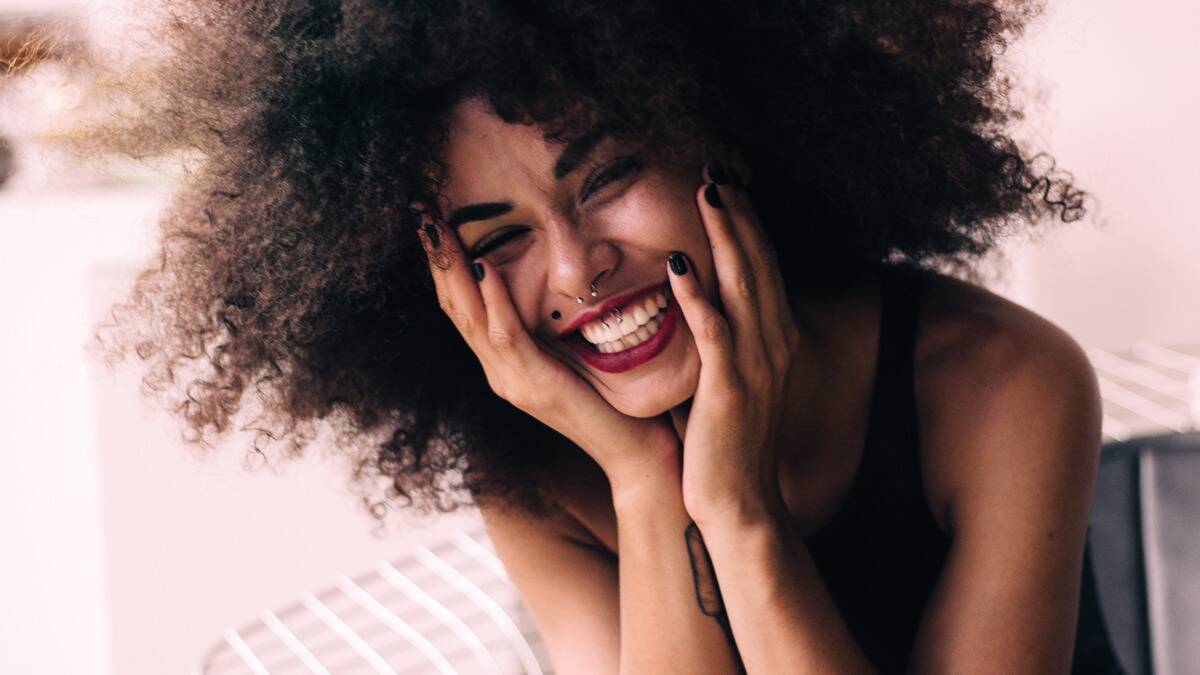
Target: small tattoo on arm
708,593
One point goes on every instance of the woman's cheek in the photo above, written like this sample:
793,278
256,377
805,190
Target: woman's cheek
653,218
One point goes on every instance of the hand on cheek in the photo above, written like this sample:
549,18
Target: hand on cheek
746,348
528,375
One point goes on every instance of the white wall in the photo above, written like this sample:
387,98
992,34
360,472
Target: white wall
1119,109
52,567
116,540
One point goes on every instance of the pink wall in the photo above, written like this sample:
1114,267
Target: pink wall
1119,108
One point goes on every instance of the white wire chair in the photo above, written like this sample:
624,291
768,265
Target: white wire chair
449,607
1148,390
444,607
1147,504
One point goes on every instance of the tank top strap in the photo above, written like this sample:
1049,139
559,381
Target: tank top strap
891,461
893,404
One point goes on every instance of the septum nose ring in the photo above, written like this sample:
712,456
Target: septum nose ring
591,291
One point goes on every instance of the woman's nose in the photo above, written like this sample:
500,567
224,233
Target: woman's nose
576,258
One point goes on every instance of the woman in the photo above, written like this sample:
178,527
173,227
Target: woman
654,286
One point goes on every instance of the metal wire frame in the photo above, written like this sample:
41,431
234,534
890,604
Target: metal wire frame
1148,390
445,607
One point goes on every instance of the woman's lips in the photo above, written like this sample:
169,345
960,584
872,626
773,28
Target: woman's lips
627,359
663,287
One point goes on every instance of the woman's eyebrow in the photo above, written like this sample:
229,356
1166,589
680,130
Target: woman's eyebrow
576,152
477,212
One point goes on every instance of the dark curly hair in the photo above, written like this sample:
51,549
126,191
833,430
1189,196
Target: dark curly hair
291,294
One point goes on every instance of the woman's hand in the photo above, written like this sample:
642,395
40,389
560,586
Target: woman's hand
730,460
529,376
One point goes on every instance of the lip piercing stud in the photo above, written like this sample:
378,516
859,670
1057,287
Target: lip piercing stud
617,313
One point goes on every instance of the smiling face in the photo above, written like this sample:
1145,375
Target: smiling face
551,218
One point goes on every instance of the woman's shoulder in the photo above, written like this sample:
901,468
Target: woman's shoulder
972,336
578,502
990,376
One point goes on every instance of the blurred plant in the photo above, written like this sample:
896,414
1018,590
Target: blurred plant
55,88
27,42
29,39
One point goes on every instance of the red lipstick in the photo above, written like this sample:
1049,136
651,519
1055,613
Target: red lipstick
607,305
627,359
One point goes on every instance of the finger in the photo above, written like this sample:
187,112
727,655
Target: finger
710,329
778,324
737,282
457,290
507,336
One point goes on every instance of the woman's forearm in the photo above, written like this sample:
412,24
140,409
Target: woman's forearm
670,618
778,604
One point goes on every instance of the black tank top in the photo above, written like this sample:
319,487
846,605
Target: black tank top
882,553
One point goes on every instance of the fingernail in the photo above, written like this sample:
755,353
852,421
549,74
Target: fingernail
432,233
713,197
478,270
716,173
678,264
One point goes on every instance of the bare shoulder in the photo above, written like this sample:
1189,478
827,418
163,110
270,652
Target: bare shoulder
580,508
999,386
569,585
562,517
964,321
1010,419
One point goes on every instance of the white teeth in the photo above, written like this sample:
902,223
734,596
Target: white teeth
633,316
640,315
640,322
614,332
628,326
650,306
634,339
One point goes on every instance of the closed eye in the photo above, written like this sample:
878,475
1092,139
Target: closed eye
494,242
614,170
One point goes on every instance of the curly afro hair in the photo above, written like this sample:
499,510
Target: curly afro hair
292,295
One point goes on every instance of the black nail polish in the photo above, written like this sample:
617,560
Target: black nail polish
713,197
678,264
478,270
716,173
432,233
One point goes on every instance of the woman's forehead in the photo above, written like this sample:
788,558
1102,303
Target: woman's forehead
481,147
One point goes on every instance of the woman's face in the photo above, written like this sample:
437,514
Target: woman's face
554,217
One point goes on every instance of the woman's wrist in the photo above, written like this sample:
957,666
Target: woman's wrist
647,477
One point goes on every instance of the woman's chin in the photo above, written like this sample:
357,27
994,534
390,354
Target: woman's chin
640,404
659,390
